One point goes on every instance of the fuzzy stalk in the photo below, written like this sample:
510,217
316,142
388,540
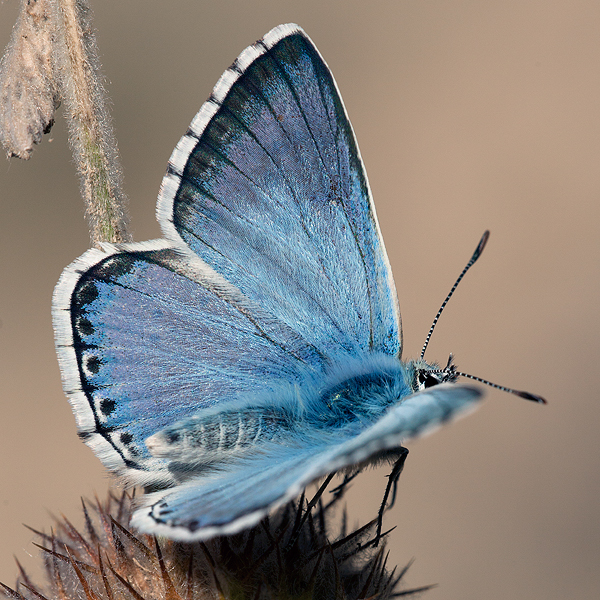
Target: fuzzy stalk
94,147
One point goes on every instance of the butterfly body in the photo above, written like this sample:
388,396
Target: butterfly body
257,347
292,414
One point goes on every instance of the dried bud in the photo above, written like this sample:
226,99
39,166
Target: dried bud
28,94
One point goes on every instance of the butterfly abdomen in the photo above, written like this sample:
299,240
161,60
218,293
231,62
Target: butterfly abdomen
219,436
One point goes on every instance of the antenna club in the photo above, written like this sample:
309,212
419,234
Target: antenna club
482,242
531,397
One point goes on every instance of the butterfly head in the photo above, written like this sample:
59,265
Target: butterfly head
426,375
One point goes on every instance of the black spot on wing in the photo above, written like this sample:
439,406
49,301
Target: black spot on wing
107,407
84,326
126,438
93,364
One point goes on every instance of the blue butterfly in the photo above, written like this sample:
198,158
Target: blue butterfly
257,347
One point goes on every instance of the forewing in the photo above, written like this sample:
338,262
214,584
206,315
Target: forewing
146,336
227,502
268,188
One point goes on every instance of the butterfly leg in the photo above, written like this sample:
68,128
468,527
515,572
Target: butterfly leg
392,485
303,516
339,490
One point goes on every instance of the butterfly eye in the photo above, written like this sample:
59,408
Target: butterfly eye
427,379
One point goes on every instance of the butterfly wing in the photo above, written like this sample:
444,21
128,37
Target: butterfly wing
268,188
273,271
147,336
229,501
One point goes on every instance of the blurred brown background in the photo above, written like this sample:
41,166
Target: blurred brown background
470,115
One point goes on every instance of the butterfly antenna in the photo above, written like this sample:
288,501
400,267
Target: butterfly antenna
519,393
476,255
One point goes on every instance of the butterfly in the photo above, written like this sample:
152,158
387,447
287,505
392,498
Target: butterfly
257,347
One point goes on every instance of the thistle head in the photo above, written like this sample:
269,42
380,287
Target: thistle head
290,555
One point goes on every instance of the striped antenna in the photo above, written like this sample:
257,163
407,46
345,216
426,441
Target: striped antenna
476,255
525,395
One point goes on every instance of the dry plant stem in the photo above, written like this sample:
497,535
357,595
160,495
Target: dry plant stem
90,130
